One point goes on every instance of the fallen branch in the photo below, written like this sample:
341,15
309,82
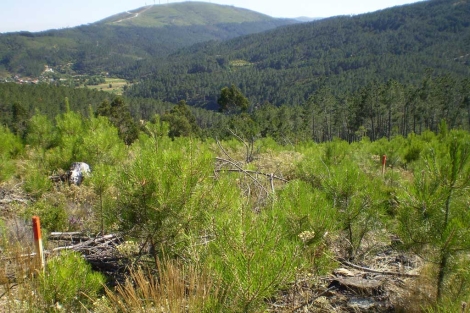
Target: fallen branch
8,288
246,172
68,236
251,172
90,243
365,269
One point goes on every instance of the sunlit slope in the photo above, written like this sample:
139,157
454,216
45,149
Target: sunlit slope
185,14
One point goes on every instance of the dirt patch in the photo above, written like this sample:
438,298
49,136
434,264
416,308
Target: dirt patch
380,283
11,196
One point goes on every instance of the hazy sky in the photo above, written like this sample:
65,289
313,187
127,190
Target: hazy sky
34,15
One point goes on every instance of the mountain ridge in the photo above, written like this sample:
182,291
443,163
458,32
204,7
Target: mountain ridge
184,14
288,64
105,46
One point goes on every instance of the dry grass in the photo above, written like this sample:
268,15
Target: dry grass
17,268
418,293
176,287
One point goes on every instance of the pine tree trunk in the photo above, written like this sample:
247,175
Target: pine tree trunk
441,274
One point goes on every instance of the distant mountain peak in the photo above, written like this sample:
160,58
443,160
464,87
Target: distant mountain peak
184,14
119,41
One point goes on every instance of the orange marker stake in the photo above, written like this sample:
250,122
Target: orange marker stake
38,242
384,162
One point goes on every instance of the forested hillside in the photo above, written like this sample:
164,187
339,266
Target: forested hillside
118,42
288,65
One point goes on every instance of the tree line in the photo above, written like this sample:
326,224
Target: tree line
378,110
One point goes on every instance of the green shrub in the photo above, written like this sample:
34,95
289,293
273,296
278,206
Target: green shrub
10,147
433,214
36,182
52,213
252,256
306,217
68,283
41,134
156,188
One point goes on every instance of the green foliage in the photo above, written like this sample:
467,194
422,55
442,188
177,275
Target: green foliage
156,188
173,196
393,149
100,143
36,181
413,150
243,126
335,152
354,52
252,251
182,122
434,213
155,130
119,115
102,181
356,198
156,32
19,119
40,132
67,283
307,216
52,213
69,128
232,100
358,202
10,148
18,103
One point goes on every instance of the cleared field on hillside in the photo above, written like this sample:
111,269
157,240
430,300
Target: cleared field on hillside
112,85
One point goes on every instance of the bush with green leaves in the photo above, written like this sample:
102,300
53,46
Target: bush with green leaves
100,143
393,149
340,172
102,183
155,189
359,204
51,211
307,218
253,257
41,133
67,284
10,148
69,129
36,179
434,215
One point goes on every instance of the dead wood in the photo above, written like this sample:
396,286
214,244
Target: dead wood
358,284
251,172
100,252
366,269
71,236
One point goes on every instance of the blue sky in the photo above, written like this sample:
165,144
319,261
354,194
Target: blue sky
17,15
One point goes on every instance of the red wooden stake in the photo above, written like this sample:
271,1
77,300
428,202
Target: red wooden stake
38,242
384,162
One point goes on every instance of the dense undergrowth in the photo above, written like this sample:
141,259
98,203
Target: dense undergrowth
220,234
